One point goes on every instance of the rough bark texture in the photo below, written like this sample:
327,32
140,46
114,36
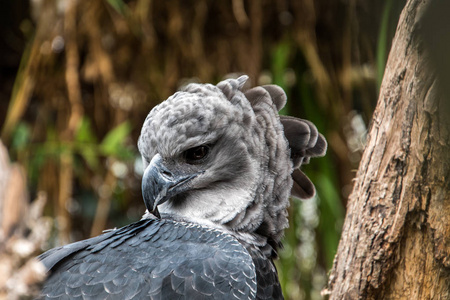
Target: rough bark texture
396,237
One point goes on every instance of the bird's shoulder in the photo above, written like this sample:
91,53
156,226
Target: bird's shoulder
158,258
262,254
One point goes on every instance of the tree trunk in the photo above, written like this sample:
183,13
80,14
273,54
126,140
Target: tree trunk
396,236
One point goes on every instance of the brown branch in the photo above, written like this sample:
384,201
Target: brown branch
104,203
76,114
64,197
239,13
100,60
72,66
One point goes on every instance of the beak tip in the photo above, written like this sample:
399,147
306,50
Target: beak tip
155,212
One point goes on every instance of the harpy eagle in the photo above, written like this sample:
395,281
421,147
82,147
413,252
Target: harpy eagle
220,167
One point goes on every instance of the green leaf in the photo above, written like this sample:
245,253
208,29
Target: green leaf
331,216
113,142
90,156
119,6
84,133
21,136
126,153
36,161
383,41
280,62
86,143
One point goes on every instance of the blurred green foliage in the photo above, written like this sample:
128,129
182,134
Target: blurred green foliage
119,6
388,24
112,143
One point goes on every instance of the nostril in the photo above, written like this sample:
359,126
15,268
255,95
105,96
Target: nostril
166,173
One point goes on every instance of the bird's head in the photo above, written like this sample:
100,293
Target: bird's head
216,154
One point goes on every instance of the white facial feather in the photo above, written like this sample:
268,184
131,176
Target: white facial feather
218,206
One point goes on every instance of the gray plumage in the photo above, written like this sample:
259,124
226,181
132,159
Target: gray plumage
220,167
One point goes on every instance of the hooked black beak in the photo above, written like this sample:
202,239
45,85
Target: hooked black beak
159,184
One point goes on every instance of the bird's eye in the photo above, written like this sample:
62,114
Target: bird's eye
196,153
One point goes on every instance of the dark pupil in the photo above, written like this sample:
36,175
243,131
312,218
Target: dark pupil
196,153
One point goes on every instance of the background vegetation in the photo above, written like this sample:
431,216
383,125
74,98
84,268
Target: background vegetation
79,77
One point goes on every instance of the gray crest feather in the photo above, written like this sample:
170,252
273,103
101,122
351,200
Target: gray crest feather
258,96
302,188
277,94
269,94
305,142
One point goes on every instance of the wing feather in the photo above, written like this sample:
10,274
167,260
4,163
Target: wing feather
202,263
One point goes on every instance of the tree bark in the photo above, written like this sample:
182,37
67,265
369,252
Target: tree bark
396,236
